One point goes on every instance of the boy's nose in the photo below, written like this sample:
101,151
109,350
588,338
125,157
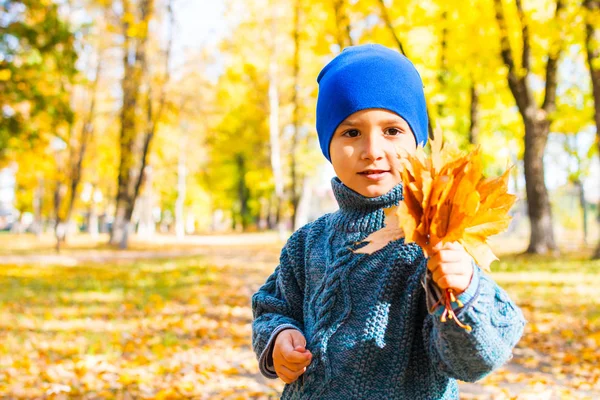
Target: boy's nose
373,147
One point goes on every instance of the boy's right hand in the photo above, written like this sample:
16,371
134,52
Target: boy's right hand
290,356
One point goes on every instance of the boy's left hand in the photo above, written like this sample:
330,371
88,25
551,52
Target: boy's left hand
451,267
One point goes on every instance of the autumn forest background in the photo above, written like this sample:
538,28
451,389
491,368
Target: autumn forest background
156,154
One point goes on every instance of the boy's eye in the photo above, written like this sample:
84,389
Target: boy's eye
351,133
394,131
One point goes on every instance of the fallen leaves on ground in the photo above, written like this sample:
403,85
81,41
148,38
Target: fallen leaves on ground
171,329
165,329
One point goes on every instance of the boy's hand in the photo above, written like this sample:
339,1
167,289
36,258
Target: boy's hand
451,267
290,356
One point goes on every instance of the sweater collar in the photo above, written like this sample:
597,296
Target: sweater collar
359,213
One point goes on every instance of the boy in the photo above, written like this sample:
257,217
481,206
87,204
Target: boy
334,324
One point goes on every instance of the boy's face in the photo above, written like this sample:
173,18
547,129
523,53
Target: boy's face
364,149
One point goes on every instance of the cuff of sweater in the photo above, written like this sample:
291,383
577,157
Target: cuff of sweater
433,293
265,361
472,291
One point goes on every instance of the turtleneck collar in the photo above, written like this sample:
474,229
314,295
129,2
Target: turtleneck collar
359,213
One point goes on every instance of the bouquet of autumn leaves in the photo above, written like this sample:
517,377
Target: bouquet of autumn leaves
446,199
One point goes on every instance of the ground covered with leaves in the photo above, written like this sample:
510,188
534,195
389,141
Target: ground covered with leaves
180,327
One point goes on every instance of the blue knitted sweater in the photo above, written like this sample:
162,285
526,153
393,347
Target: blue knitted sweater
366,319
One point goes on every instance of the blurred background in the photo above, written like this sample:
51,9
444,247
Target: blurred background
156,154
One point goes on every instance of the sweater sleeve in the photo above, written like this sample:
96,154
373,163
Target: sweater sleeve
278,304
497,325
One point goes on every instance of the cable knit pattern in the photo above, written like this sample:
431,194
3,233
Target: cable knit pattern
365,317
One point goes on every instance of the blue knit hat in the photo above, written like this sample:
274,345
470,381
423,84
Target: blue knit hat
369,76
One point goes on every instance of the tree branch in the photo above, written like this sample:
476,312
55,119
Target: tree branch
151,117
552,65
386,18
592,44
343,25
87,130
517,84
526,56
388,23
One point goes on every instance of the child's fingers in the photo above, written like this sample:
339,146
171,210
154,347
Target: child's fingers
456,282
285,374
297,366
448,269
289,374
295,357
445,257
447,246
450,255
285,342
298,340
455,246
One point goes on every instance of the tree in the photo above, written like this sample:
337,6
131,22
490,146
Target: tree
78,147
36,53
274,130
37,73
592,45
80,129
343,25
134,146
536,120
239,170
297,179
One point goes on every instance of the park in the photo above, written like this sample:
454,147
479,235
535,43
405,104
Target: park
157,155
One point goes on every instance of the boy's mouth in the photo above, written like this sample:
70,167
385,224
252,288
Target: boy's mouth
374,174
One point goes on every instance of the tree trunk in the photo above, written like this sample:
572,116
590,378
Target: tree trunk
538,202
234,222
474,115
59,225
38,199
582,204
243,191
342,21
181,190
592,41
304,204
388,22
296,180
92,221
144,205
271,223
135,150
274,123
131,83
537,124
87,131
443,72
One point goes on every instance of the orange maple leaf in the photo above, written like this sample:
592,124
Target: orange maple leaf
447,199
